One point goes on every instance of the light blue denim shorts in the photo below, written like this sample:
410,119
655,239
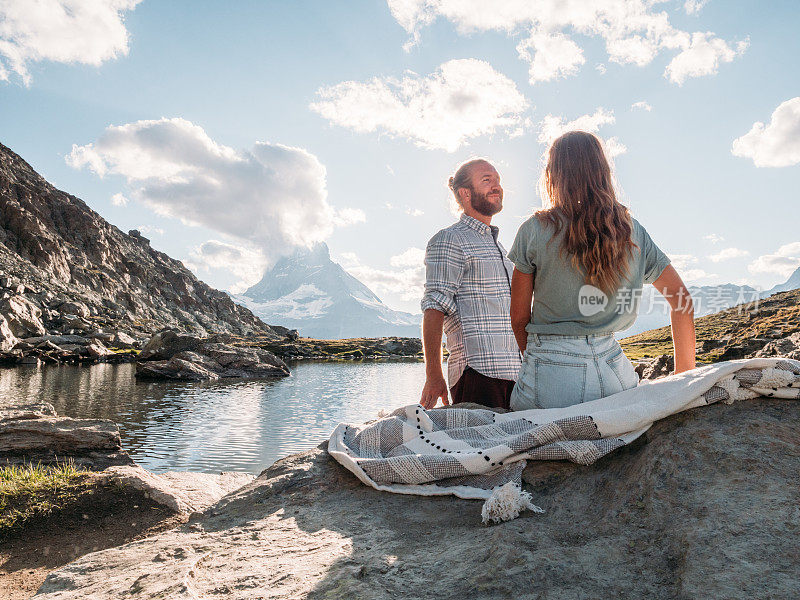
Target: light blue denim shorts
562,370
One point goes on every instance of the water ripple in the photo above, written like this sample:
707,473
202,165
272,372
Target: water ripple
240,425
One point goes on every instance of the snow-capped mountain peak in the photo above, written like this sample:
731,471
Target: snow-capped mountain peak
309,292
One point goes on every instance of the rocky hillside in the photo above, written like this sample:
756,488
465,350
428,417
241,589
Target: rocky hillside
767,327
62,266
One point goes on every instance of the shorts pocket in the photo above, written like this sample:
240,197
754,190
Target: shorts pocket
558,383
623,369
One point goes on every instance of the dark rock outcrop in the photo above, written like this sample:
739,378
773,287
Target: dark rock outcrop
704,505
64,269
661,366
172,355
788,346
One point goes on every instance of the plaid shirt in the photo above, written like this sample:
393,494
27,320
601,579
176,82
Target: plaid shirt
467,277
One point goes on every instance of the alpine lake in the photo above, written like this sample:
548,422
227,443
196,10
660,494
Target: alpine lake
225,425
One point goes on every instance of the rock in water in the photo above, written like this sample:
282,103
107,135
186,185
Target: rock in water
172,355
703,506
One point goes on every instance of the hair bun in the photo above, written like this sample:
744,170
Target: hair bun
450,183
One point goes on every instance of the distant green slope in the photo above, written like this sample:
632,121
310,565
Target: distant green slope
732,333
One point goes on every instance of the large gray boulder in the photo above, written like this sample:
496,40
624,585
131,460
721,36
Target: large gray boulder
23,316
58,435
31,433
173,355
705,505
180,491
165,344
7,338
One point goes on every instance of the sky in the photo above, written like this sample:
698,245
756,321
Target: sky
231,133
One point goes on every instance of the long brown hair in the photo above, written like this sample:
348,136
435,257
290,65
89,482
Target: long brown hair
577,181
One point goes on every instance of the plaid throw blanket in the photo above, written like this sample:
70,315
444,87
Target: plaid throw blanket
471,453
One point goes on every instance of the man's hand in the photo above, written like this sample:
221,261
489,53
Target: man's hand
435,388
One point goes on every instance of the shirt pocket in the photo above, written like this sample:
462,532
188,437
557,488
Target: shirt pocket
558,383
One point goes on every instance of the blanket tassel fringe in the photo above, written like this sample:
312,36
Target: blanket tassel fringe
506,502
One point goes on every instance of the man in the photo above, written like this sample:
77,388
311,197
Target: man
468,296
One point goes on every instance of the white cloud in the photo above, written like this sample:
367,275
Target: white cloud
727,254
412,257
682,261
600,68
551,56
776,144
614,147
66,31
273,196
696,276
119,200
349,216
247,263
642,105
702,56
634,31
463,99
713,238
405,281
685,266
150,229
552,127
414,212
348,259
692,7
783,262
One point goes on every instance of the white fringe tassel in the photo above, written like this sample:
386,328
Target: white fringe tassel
506,502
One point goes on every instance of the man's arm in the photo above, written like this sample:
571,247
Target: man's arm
435,386
681,317
521,301
444,269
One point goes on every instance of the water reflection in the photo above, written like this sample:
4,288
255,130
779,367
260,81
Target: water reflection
243,425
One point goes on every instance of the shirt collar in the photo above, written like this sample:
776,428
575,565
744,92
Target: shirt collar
478,226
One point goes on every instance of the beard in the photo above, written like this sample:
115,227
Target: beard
482,205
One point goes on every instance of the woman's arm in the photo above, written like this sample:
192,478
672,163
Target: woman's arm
521,302
681,317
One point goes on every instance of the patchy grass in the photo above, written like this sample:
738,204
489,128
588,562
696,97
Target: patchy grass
30,491
116,350
731,333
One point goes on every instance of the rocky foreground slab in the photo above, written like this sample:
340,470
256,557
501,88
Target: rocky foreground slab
703,505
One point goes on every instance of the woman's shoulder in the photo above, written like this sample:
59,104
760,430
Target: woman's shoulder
637,230
536,224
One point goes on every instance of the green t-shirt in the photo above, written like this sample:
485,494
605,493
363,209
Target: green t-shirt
563,303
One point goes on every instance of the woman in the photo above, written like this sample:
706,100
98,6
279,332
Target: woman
583,261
